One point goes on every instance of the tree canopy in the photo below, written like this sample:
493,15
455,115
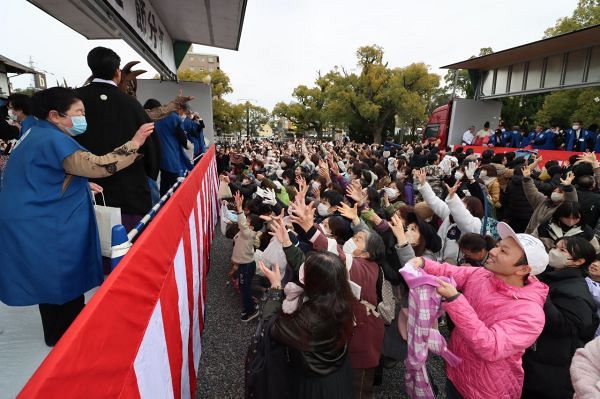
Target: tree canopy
367,101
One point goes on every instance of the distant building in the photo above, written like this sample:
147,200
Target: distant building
200,62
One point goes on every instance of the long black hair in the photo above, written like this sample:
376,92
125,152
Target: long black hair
328,291
580,248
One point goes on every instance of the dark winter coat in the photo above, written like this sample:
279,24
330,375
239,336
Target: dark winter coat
518,210
571,322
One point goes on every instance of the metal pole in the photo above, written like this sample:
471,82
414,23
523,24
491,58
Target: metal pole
455,83
248,120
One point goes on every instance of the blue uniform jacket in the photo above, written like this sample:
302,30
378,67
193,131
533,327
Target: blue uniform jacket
585,140
528,139
515,139
545,141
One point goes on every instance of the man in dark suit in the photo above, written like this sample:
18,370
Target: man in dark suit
113,117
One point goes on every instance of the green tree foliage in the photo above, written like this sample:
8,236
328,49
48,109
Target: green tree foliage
307,110
254,117
587,13
464,87
368,101
565,106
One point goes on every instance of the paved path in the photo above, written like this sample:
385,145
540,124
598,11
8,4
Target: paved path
226,339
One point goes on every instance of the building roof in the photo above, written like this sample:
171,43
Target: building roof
575,40
14,67
212,23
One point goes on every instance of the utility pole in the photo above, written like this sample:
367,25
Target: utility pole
247,120
247,100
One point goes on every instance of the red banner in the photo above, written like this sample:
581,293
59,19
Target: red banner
547,155
140,335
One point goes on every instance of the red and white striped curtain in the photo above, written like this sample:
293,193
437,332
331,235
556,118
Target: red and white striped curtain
140,335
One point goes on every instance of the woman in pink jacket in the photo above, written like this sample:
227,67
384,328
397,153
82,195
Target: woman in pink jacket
498,314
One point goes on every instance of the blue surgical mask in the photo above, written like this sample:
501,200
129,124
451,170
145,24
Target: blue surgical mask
79,125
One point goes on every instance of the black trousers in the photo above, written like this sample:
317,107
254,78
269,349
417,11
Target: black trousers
167,179
56,319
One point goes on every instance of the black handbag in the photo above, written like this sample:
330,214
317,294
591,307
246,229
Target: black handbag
267,366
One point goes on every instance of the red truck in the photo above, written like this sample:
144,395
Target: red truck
451,120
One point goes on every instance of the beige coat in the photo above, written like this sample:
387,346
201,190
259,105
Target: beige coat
542,209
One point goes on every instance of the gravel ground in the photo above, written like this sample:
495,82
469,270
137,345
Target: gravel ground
226,339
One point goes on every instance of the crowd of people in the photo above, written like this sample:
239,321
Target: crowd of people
353,257
60,148
575,138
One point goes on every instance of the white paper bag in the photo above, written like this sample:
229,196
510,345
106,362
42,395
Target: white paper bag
223,217
106,218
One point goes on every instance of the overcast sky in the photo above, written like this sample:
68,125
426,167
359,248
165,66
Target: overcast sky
285,42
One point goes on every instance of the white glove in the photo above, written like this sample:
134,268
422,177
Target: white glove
470,170
267,195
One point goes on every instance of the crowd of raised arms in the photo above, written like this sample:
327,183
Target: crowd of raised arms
356,256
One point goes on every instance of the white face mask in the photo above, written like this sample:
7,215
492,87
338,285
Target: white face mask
575,127
483,173
256,168
458,175
557,259
391,192
12,115
557,197
283,165
349,247
323,210
286,182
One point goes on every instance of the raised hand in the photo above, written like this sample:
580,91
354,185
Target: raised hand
303,215
238,200
273,275
420,175
470,170
350,213
452,190
589,157
278,230
397,227
356,194
568,179
526,171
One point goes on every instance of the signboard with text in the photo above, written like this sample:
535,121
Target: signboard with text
143,19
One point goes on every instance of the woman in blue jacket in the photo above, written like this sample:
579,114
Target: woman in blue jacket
50,250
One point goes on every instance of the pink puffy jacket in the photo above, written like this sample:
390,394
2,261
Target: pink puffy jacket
495,323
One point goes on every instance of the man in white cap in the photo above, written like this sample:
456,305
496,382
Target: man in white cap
498,313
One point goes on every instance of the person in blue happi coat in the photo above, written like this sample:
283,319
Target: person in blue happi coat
529,138
19,111
505,136
515,137
49,244
194,127
173,160
496,139
579,139
546,140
